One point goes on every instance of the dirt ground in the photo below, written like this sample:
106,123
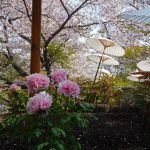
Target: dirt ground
118,129
125,129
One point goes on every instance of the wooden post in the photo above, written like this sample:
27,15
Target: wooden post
36,36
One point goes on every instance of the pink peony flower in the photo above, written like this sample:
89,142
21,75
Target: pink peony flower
14,87
39,102
37,82
68,88
59,75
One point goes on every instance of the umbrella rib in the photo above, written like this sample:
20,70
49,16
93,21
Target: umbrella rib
140,16
135,18
146,19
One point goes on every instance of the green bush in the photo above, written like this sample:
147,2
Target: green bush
51,128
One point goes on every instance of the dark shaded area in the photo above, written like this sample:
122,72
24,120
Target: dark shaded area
8,144
118,129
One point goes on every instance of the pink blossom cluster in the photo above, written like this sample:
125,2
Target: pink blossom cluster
58,76
37,82
14,87
69,88
39,102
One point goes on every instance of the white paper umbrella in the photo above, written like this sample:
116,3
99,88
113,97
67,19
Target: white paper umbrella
139,16
96,58
133,78
144,65
111,62
106,60
105,71
102,72
106,46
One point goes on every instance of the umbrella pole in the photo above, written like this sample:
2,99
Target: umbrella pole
100,70
100,61
35,37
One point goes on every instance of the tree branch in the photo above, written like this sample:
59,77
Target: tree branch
81,26
19,70
107,32
13,19
65,22
4,54
9,56
28,15
19,34
133,6
25,37
65,7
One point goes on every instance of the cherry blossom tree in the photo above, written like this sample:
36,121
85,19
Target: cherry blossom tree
64,22
60,20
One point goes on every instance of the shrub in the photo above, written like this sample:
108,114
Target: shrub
45,119
101,92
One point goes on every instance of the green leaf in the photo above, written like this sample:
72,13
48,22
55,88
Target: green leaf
42,145
77,146
60,145
58,132
38,132
50,124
